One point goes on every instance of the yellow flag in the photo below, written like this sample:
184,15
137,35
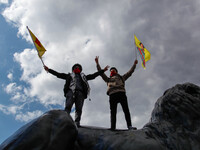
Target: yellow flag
144,53
40,48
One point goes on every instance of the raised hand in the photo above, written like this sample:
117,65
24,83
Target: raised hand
46,68
106,68
97,59
136,61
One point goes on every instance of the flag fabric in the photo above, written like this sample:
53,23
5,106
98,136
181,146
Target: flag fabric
143,52
40,48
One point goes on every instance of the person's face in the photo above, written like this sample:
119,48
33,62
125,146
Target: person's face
113,70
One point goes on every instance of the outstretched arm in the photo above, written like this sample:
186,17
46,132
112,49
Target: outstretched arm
94,75
104,77
53,72
129,73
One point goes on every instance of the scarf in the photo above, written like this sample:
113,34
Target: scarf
112,73
77,70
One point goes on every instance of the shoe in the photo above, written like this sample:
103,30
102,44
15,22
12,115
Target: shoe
132,128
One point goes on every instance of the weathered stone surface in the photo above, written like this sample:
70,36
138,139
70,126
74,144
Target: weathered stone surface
174,125
175,119
92,138
55,130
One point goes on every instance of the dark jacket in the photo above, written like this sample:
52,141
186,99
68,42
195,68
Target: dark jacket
68,79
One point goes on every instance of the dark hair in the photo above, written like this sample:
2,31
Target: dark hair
75,65
113,68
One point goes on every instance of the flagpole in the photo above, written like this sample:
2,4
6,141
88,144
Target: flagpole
42,61
136,52
35,46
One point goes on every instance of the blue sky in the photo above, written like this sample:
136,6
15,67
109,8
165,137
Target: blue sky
9,44
76,32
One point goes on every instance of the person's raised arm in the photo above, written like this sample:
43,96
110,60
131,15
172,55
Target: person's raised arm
94,75
104,77
129,73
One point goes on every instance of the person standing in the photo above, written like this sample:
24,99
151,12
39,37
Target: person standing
117,93
76,88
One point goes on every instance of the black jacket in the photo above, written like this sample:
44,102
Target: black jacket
68,79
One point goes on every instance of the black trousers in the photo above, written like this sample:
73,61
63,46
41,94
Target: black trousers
78,99
119,97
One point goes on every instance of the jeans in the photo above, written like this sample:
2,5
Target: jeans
119,97
78,99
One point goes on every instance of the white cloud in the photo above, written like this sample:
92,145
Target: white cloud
2,108
12,109
17,93
12,88
10,76
29,62
4,1
28,116
19,115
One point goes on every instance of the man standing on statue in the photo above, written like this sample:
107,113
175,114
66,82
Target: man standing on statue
76,88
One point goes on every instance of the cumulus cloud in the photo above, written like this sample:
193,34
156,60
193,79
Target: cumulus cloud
18,113
16,92
4,1
10,76
169,30
10,110
29,63
28,116
12,88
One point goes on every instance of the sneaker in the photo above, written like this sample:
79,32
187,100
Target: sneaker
132,128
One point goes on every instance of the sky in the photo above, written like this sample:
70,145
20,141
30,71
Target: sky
78,31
